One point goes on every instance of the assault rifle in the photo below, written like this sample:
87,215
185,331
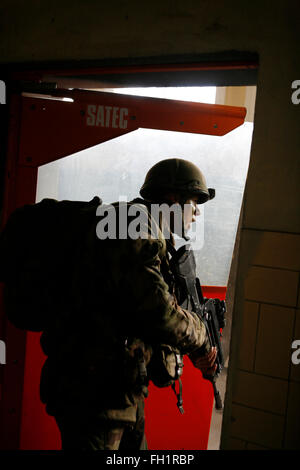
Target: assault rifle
212,314
210,311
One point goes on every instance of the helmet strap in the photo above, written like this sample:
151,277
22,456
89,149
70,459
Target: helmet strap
183,231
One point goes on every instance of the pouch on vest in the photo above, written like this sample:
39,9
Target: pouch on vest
166,365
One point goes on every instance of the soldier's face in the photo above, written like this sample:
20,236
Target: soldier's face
191,211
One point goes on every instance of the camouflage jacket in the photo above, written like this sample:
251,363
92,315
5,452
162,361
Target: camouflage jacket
119,301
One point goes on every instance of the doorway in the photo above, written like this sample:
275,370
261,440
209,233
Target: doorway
121,139
114,170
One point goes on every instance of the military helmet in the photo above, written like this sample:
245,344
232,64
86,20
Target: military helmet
175,175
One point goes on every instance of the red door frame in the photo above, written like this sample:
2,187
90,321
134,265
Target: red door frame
21,179
20,188
56,72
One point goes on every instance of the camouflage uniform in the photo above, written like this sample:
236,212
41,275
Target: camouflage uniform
119,302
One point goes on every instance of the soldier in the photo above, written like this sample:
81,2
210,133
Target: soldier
93,381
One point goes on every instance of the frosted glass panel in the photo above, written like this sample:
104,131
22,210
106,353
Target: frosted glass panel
116,169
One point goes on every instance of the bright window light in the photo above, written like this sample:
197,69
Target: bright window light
196,94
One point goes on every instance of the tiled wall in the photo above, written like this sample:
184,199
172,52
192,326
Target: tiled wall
266,385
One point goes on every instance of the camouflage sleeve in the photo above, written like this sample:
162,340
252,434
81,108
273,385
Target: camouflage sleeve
156,312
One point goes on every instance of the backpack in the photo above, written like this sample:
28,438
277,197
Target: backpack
39,248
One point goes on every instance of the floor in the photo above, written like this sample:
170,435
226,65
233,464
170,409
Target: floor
217,415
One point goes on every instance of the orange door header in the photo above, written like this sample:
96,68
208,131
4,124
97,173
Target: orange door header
69,121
